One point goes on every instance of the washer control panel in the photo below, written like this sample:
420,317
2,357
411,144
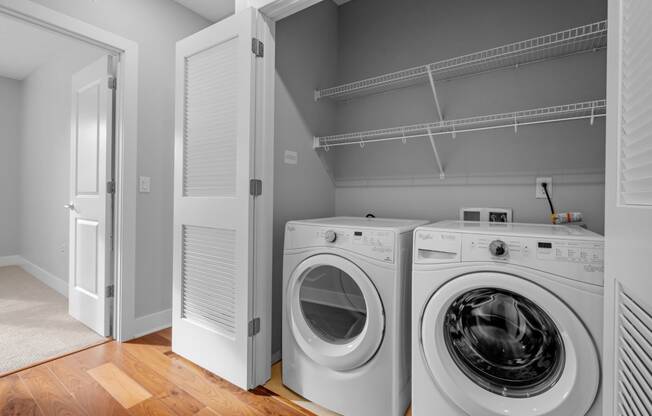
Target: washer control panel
376,244
572,258
576,259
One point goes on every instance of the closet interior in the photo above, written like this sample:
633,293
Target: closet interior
415,109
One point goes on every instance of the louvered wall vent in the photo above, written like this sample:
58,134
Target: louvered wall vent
634,357
210,122
208,287
636,134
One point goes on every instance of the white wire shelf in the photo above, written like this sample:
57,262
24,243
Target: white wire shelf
580,39
584,110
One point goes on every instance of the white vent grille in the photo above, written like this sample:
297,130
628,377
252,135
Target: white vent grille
210,121
636,134
634,354
208,287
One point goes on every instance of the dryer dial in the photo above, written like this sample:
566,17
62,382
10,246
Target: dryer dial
498,248
330,236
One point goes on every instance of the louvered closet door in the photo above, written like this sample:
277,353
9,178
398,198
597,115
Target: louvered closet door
214,136
628,221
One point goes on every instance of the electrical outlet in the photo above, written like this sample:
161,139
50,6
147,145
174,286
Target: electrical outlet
540,193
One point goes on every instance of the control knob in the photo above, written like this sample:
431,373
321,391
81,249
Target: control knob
330,236
498,248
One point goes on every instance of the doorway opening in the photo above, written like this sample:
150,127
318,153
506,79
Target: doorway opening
58,178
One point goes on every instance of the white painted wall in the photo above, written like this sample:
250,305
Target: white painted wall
378,36
306,57
9,147
155,25
45,161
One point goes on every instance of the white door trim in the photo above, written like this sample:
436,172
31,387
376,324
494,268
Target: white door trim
126,145
275,10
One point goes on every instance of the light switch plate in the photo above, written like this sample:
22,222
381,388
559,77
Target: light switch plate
291,158
540,193
144,184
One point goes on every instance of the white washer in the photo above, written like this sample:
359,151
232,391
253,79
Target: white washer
346,329
506,320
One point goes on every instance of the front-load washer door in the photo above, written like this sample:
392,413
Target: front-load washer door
335,313
498,344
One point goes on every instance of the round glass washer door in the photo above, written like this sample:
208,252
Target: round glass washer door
499,344
334,312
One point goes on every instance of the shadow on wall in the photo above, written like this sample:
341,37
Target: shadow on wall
306,58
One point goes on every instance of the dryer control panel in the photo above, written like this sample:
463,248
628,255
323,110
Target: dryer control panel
376,244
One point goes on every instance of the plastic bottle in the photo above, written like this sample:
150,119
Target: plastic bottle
566,217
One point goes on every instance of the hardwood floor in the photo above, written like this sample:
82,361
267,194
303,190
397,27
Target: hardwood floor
139,378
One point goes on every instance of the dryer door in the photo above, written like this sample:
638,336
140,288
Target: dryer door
334,312
499,344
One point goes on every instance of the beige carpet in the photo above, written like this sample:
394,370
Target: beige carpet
34,322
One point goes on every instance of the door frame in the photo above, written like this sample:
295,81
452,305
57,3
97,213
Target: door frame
270,11
126,135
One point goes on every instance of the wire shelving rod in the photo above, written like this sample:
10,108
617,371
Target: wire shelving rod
577,111
567,42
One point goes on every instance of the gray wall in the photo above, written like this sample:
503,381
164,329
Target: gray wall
45,161
306,58
9,148
156,25
494,168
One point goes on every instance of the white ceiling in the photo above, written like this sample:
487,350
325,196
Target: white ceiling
213,10
25,47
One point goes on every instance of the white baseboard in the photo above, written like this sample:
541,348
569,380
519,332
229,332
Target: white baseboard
46,277
11,261
152,323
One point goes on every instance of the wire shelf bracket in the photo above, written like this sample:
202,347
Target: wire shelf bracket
434,93
567,112
572,41
442,174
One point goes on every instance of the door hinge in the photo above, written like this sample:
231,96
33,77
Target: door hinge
110,291
110,187
254,327
257,47
255,187
112,83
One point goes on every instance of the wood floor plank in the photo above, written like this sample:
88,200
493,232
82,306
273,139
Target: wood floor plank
206,411
150,407
262,391
119,385
264,403
140,378
72,372
15,399
176,399
222,401
50,395
166,333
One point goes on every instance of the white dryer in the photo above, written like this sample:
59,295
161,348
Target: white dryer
346,329
507,320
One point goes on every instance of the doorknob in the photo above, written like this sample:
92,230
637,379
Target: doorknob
70,206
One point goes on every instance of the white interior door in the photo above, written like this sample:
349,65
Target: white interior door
213,208
91,195
628,221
